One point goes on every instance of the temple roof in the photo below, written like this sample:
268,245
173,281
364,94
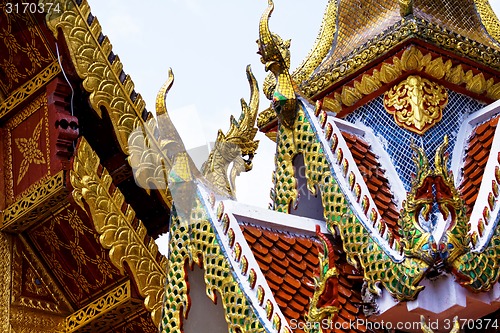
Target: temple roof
372,28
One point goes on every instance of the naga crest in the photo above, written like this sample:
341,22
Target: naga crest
275,56
269,84
433,220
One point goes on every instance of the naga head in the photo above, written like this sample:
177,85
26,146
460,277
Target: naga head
433,188
275,55
274,51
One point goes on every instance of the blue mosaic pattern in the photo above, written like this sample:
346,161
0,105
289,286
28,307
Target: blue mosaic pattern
396,140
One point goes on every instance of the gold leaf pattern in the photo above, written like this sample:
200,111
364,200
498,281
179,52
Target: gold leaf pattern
29,148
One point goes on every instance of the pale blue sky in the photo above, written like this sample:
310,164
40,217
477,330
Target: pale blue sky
208,44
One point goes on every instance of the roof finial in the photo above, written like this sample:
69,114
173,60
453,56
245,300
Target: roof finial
405,7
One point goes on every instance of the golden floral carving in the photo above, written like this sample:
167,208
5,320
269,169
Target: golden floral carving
416,103
29,148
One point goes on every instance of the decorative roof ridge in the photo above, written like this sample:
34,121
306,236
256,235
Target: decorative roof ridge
349,127
274,220
351,182
121,232
489,20
464,133
278,231
100,69
402,31
245,268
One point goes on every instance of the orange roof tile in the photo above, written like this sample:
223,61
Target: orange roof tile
476,156
290,262
375,179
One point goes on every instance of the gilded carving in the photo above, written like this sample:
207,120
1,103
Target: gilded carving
443,38
99,307
234,145
275,55
29,88
114,221
40,103
412,59
35,204
36,281
318,52
99,68
416,103
29,149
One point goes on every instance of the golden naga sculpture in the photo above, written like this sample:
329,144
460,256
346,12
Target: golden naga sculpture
416,103
276,58
160,161
237,143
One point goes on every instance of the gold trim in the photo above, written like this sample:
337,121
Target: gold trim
114,220
5,281
117,297
35,204
402,31
411,60
29,88
47,283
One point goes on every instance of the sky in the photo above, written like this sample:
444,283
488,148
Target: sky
208,44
